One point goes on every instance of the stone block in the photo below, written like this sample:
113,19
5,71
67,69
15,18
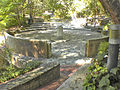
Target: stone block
60,32
93,44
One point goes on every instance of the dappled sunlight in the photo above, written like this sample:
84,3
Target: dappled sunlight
2,39
78,23
88,34
72,55
79,4
82,61
68,55
63,49
47,31
26,53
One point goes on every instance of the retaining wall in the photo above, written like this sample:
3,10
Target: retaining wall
92,46
34,79
29,47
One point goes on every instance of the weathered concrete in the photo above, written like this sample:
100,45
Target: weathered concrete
75,82
29,47
41,76
93,44
60,32
114,42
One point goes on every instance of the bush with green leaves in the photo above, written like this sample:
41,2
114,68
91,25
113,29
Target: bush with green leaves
5,56
98,77
12,71
8,70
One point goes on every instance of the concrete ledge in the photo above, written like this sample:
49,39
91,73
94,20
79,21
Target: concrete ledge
44,74
75,82
29,47
93,44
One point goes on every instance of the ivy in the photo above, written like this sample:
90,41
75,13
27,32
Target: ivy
98,77
11,71
104,81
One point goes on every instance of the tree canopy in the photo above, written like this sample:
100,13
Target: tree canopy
13,12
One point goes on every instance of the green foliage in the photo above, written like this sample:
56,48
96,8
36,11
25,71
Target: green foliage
5,54
103,47
7,70
11,12
104,81
12,71
98,77
102,51
63,9
106,27
46,17
92,8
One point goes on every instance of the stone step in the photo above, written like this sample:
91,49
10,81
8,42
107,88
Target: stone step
38,26
33,29
41,23
47,23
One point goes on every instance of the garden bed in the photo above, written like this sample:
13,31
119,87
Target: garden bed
38,77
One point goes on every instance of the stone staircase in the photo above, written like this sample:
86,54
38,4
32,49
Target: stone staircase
42,26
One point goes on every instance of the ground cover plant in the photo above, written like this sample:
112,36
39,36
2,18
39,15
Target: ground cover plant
98,77
9,70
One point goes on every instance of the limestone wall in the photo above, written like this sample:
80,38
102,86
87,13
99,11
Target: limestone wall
92,46
29,47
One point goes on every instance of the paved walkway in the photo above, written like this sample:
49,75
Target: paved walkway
72,50
75,82
70,55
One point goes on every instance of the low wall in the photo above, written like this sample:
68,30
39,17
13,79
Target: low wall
92,46
29,47
37,78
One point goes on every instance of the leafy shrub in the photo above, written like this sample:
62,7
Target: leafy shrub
5,56
46,17
11,71
98,77
10,21
106,27
102,51
8,70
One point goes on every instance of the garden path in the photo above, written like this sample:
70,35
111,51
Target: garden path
70,55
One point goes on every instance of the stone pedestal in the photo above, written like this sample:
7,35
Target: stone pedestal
60,32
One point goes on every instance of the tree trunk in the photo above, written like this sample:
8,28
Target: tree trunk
23,13
113,7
